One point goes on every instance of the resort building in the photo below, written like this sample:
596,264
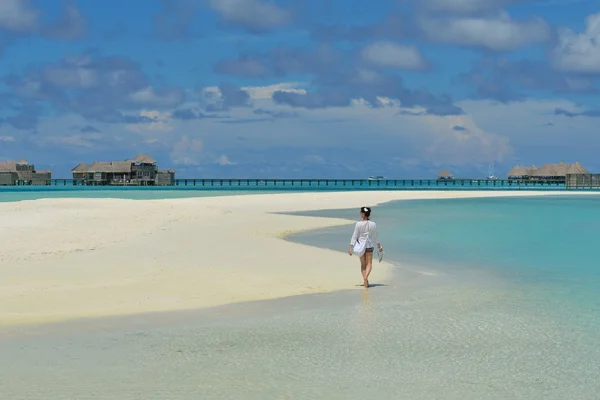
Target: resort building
445,175
22,173
140,171
551,172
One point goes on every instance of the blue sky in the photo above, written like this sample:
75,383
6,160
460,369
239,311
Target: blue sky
312,88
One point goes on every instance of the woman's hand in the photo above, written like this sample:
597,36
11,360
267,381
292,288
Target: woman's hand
379,247
350,250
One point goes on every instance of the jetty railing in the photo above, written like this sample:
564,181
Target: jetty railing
582,181
338,184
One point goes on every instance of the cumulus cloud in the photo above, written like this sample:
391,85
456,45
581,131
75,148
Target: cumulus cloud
571,114
505,79
101,88
159,122
187,151
497,33
336,82
387,54
224,160
466,6
252,15
18,16
7,139
579,52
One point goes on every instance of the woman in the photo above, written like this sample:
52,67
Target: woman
365,234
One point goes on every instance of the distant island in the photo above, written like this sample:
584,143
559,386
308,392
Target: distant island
547,172
143,171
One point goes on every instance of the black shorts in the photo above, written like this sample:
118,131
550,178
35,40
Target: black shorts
369,250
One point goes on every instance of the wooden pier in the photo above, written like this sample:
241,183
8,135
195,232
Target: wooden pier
582,181
339,184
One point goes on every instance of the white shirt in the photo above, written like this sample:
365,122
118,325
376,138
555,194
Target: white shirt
362,231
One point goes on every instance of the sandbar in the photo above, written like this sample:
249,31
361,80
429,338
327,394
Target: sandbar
65,259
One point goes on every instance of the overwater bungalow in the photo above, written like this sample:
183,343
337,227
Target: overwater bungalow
445,175
547,172
519,172
22,173
139,171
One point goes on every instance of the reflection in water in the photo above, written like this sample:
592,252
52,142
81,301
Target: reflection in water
365,298
444,342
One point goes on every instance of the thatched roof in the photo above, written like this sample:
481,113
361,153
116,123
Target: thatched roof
83,167
546,170
445,174
577,169
518,170
143,159
8,166
116,167
559,170
11,166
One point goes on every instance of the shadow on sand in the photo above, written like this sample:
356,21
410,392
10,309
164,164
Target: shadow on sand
372,285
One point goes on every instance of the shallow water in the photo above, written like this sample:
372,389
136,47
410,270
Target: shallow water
462,332
421,337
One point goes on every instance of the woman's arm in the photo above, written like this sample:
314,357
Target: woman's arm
374,235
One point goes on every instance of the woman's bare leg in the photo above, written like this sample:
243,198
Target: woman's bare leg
369,267
363,266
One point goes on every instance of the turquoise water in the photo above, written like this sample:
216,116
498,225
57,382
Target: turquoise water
224,187
547,244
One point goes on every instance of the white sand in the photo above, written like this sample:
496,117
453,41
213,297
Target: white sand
62,259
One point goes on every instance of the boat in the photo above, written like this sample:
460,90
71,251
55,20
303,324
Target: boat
376,178
491,172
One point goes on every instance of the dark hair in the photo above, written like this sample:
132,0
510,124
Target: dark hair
366,211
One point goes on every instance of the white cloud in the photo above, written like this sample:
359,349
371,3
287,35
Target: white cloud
7,139
160,123
474,144
391,55
187,151
463,6
224,160
252,14
255,92
77,75
579,52
266,92
498,33
18,16
149,97
417,141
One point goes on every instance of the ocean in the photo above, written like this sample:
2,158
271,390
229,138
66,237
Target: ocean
488,299
547,244
226,187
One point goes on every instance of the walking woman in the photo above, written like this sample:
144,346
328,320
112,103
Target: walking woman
362,243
